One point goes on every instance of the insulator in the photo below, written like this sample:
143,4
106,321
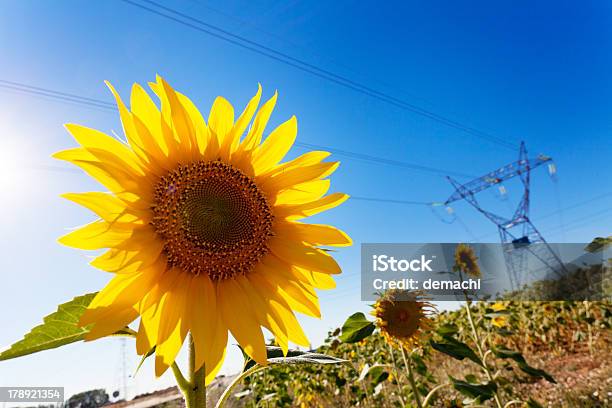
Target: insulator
450,210
552,169
502,190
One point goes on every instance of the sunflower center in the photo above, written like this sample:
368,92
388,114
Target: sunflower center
213,219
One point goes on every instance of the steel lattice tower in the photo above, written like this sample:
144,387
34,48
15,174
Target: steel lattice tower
518,234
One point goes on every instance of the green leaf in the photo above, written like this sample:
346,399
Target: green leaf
356,328
455,349
276,357
502,352
419,364
59,328
480,392
142,360
531,403
471,378
536,372
376,373
447,329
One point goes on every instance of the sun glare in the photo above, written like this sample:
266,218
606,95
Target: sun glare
12,173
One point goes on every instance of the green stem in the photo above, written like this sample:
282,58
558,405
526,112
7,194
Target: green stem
182,383
365,389
193,389
590,330
479,348
397,377
415,391
228,391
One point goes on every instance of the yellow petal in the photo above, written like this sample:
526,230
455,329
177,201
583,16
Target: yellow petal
314,234
221,121
181,123
323,280
298,175
306,159
179,144
263,314
172,326
203,306
202,133
144,340
96,235
147,121
303,193
280,308
114,321
253,137
297,211
216,354
121,293
298,297
95,141
141,238
303,255
108,207
112,177
131,134
275,147
233,139
291,282
238,314
126,261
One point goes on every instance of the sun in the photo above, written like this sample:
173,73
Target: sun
203,226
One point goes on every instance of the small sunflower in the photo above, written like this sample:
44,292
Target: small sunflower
202,227
466,260
500,321
498,306
402,317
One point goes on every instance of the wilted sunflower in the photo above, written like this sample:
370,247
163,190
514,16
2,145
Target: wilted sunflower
402,317
202,227
466,260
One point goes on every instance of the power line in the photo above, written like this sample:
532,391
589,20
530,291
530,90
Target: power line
50,93
390,201
91,102
99,104
225,35
383,160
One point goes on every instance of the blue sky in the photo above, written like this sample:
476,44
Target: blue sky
533,71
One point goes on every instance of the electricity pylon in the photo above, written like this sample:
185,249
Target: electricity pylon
518,234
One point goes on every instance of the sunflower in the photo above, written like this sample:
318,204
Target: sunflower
202,227
466,260
499,321
499,306
402,317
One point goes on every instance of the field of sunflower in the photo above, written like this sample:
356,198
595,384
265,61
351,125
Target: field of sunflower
561,358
